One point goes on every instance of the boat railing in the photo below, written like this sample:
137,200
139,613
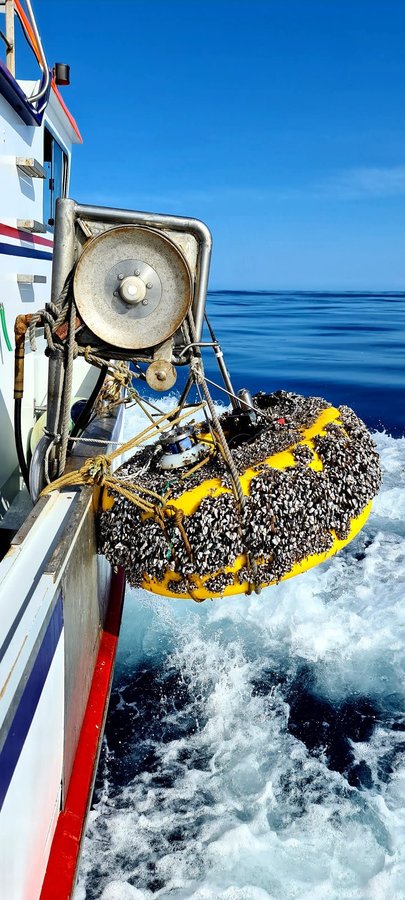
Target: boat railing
30,29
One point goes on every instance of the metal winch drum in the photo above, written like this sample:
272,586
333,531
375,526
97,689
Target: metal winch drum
132,286
136,276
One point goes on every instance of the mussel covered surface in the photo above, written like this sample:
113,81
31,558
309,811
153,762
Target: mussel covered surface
290,514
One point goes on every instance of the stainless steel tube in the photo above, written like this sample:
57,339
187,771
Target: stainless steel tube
63,260
44,65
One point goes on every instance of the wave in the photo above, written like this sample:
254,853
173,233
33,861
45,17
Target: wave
255,745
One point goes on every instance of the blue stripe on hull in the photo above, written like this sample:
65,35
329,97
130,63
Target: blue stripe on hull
29,700
38,575
14,250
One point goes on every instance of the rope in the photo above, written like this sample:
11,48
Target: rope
98,467
199,375
67,389
90,440
97,470
51,317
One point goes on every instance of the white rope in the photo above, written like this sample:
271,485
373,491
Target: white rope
93,441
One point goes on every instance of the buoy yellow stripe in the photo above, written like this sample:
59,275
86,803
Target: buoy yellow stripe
325,418
190,500
212,487
200,592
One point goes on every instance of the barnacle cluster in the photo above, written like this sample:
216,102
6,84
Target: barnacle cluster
290,513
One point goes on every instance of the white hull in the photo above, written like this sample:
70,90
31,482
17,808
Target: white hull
54,590
54,600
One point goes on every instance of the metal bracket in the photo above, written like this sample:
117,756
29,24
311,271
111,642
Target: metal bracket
30,166
164,351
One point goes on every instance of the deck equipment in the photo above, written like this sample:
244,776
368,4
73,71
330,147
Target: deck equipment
215,507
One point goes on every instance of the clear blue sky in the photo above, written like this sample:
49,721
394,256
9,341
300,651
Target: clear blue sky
278,122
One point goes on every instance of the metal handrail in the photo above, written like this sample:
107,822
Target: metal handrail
42,62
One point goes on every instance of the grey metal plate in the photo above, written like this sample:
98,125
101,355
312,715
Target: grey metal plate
150,278
125,250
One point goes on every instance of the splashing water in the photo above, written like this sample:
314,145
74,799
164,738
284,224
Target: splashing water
255,745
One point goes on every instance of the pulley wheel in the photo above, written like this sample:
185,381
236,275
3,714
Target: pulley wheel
132,287
161,375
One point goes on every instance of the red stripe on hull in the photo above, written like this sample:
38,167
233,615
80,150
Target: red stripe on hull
64,856
66,111
24,235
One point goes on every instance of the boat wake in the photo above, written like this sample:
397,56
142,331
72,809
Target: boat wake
255,745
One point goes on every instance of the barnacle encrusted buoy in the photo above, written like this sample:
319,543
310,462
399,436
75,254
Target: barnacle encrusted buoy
308,475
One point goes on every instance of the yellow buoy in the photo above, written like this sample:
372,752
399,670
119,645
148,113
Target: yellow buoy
190,501
182,524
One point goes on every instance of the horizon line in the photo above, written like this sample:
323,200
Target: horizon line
387,291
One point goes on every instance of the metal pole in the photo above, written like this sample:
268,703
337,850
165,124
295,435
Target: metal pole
10,47
63,260
43,63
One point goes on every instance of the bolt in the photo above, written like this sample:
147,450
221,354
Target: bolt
137,272
149,285
161,375
145,302
120,277
115,293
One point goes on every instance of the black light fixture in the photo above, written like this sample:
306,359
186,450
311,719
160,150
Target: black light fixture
61,73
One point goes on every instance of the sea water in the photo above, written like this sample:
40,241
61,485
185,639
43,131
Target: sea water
255,746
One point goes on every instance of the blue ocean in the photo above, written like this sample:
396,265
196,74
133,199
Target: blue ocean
255,746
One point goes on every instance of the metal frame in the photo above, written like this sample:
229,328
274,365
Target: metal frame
195,227
68,212
42,92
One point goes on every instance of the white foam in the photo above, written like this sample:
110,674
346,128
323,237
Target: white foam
261,817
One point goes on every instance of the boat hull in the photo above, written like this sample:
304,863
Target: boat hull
60,610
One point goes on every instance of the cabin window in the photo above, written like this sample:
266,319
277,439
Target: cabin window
55,185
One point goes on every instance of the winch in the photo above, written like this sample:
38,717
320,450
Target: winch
123,284
128,286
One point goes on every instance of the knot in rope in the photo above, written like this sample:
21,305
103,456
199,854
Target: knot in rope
87,353
46,317
122,375
98,468
177,517
51,317
196,370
